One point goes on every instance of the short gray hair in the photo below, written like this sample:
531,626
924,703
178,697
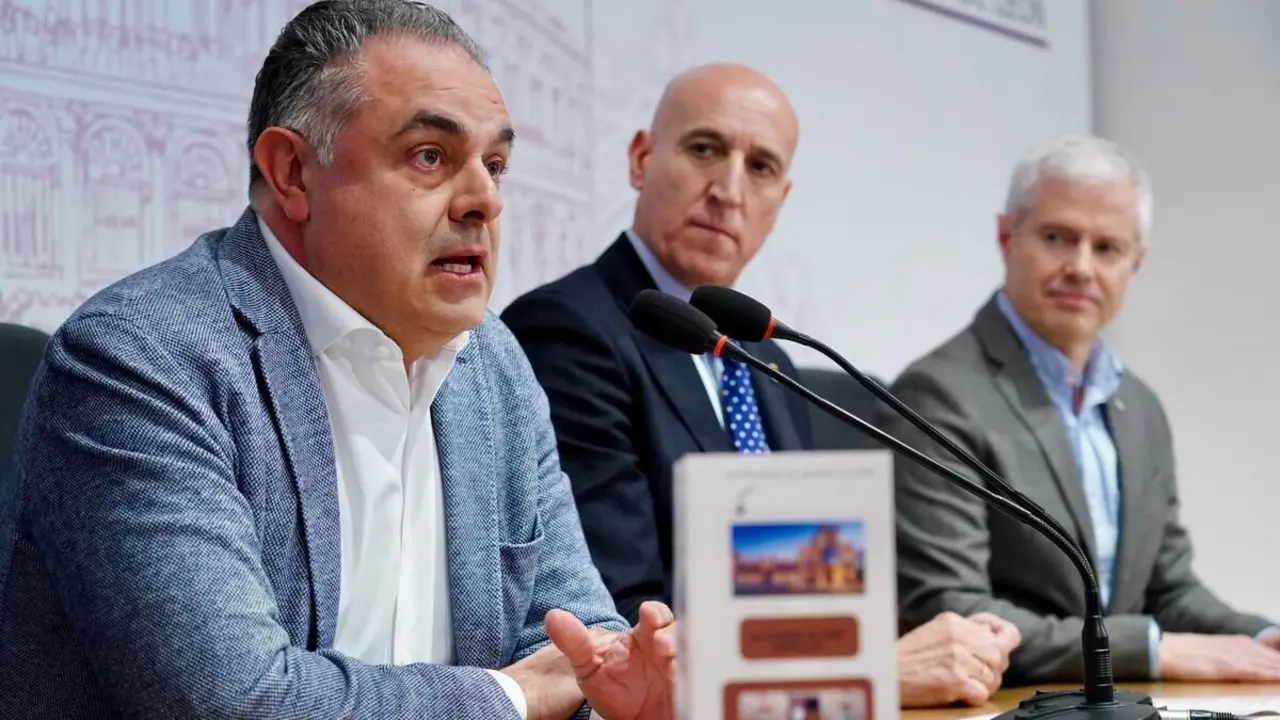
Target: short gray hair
1082,158
311,80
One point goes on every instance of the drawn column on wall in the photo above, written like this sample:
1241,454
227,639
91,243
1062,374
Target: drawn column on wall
29,204
122,130
636,49
121,137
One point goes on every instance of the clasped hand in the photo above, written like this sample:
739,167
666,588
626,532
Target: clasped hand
954,659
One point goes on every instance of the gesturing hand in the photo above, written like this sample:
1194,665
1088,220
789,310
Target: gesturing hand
624,676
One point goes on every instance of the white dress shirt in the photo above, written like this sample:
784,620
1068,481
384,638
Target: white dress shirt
393,607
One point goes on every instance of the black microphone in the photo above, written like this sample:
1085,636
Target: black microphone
680,325
744,318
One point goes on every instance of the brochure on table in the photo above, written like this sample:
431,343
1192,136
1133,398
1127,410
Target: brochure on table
786,586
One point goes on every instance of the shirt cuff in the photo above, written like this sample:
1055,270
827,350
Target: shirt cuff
1153,648
513,691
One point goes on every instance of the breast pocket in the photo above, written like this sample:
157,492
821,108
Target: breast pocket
519,574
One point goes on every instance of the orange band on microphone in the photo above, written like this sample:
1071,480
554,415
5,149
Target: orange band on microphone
768,329
719,346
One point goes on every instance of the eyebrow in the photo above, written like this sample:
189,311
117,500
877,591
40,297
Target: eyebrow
704,133
447,125
1062,227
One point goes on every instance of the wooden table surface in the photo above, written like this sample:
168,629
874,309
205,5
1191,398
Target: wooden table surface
1008,699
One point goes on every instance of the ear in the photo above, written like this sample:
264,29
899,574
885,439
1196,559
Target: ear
786,189
1004,232
637,155
1142,255
280,155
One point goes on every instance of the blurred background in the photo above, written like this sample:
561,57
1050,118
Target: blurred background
122,137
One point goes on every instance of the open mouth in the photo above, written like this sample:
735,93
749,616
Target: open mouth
459,264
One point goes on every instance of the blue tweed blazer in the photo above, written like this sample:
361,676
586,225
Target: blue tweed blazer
170,546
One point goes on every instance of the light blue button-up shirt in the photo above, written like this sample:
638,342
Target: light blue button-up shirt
1091,443
1090,438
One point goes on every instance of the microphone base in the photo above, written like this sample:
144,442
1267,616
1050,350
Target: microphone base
1071,705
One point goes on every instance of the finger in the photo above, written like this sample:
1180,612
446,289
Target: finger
966,681
1267,664
974,692
1008,637
1250,663
655,615
1270,638
970,667
991,620
1263,654
987,652
1005,632
664,642
974,669
1006,647
573,639
991,679
1003,666
1264,672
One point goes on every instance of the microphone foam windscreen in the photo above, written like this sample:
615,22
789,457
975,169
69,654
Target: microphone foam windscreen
672,322
739,316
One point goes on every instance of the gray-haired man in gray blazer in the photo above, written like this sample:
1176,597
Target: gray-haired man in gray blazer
1032,390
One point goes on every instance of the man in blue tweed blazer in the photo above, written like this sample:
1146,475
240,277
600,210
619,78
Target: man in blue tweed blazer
299,471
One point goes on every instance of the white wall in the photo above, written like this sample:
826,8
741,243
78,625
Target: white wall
911,116
1193,89
910,121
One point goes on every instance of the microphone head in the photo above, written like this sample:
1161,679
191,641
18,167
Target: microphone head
739,316
673,322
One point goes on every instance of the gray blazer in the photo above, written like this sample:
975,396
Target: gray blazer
171,546
981,389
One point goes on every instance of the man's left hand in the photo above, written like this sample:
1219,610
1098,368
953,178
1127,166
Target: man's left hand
1270,637
624,676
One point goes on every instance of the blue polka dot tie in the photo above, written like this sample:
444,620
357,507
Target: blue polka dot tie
741,414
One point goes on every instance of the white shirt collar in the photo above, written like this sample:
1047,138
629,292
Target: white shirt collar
326,318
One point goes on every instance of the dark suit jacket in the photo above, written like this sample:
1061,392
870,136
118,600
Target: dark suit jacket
625,408
981,389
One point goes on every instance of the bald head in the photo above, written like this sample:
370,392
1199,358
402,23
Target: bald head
712,171
714,85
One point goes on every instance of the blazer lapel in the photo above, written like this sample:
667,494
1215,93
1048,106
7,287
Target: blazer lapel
467,466
774,410
1129,436
673,371
1027,397
283,360
297,400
